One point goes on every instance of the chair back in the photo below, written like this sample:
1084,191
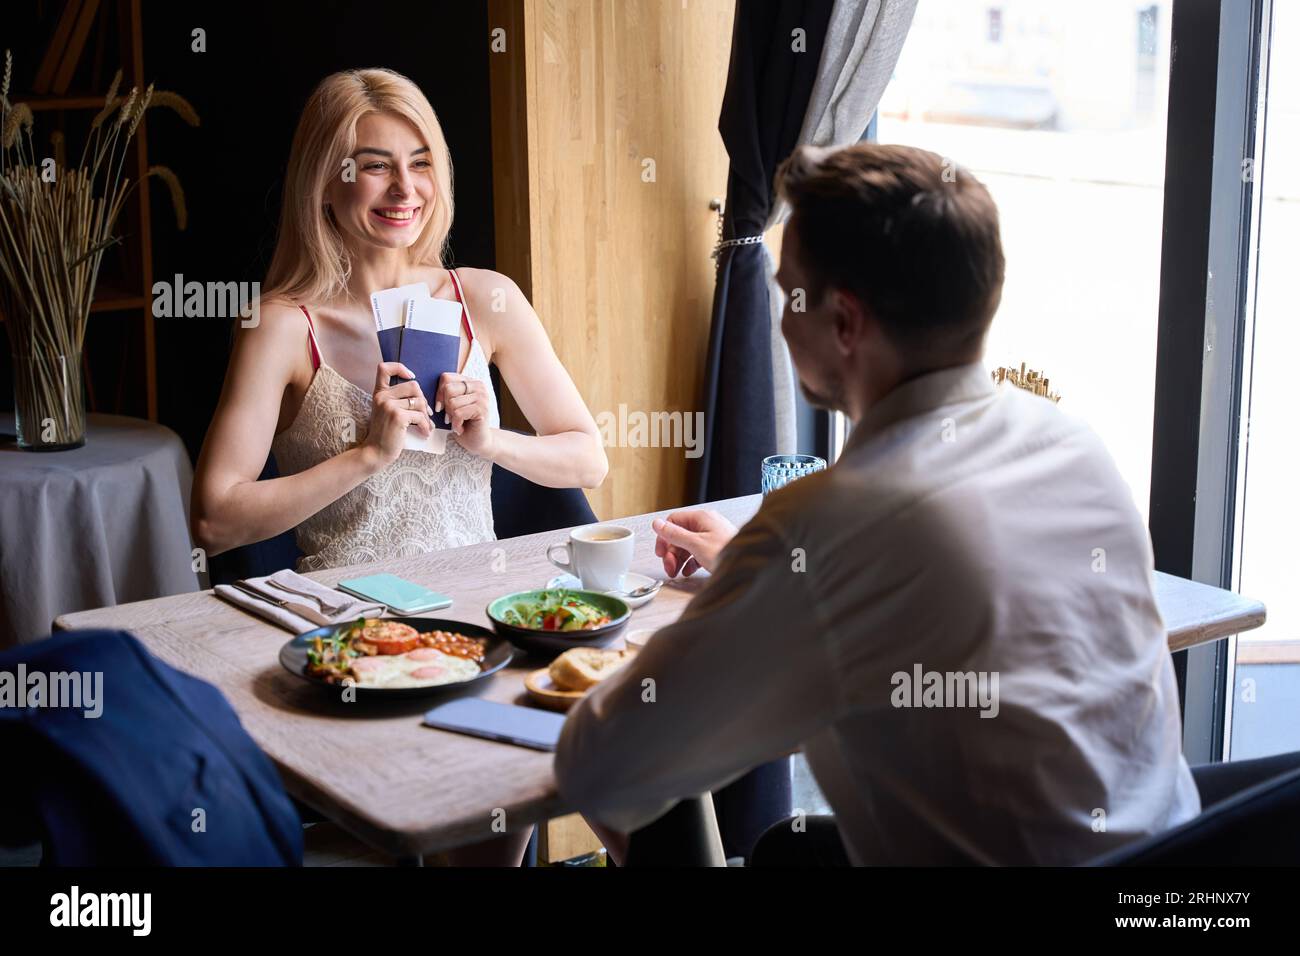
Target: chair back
1258,826
521,507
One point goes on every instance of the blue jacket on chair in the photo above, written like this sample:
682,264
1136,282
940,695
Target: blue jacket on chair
164,775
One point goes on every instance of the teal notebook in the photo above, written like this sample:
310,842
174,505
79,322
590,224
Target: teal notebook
400,595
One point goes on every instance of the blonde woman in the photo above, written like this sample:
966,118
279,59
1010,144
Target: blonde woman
367,206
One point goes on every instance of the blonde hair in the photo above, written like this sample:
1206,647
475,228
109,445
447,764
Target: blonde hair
311,262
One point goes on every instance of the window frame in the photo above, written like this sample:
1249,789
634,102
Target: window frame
1209,223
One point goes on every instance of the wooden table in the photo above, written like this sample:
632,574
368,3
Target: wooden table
404,788
407,789
1195,613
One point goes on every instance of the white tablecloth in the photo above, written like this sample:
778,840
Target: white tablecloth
103,524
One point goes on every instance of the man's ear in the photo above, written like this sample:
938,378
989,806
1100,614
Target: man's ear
852,321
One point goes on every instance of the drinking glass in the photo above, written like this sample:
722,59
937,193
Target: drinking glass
780,470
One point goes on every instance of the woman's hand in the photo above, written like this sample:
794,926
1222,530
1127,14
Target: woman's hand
465,401
691,539
393,410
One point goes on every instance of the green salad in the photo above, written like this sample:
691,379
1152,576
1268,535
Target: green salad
557,610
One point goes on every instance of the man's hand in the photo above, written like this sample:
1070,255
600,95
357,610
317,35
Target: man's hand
691,539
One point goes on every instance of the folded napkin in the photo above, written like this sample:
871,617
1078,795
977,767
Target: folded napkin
310,604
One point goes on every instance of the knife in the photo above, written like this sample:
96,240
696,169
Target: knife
308,613
241,586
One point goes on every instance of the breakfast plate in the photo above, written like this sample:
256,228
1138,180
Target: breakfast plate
631,581
386,658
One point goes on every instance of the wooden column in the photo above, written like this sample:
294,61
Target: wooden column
605,157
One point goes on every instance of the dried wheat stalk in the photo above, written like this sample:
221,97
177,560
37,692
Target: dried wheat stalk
55,223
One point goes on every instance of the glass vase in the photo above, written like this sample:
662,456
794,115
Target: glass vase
49,401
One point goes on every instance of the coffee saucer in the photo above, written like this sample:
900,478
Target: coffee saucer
631,581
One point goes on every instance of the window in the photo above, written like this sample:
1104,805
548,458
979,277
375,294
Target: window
1062,115
1266,690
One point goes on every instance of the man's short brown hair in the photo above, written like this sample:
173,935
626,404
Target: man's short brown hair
910,234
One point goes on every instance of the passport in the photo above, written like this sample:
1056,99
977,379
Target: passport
423,333
389,307
431,345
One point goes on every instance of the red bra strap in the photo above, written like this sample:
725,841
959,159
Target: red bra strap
311,338
464,309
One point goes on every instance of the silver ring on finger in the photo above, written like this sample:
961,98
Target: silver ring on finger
410,401
464,385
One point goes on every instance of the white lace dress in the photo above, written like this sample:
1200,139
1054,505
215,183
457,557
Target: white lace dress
418,504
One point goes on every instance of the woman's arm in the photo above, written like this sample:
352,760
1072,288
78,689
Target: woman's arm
566,452
229,506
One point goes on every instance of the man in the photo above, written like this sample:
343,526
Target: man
956,622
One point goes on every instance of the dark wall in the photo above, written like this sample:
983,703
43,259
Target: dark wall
262,61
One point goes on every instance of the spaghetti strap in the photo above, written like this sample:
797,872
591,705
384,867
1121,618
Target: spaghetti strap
311,335
464,306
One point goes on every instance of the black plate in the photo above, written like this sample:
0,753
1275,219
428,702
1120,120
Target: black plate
293,656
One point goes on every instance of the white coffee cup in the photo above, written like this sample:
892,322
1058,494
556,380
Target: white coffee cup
597,554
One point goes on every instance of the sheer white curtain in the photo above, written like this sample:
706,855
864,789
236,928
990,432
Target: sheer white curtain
863,42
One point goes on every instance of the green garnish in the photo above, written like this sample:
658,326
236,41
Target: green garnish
557,610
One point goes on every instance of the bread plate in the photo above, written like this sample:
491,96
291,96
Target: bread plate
543,691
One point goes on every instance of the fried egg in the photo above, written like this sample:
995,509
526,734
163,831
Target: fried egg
422,667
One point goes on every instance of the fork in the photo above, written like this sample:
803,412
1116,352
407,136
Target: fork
319,601
253,592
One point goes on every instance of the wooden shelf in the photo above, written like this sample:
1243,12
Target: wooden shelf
113,300
112,294
126,292
38,101
118,303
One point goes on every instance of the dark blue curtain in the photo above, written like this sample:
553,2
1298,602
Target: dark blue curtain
769,83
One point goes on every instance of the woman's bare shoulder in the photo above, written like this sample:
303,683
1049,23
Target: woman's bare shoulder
281,311
275,336
494,298
485,283
276,318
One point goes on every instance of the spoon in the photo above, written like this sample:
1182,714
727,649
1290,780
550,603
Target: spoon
643,590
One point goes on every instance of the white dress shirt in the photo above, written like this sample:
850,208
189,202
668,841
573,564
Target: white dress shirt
972,531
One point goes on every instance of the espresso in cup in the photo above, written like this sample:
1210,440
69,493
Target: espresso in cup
596,554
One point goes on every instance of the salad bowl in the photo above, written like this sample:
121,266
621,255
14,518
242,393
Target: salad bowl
553,620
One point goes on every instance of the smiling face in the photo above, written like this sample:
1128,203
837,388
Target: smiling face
391,201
